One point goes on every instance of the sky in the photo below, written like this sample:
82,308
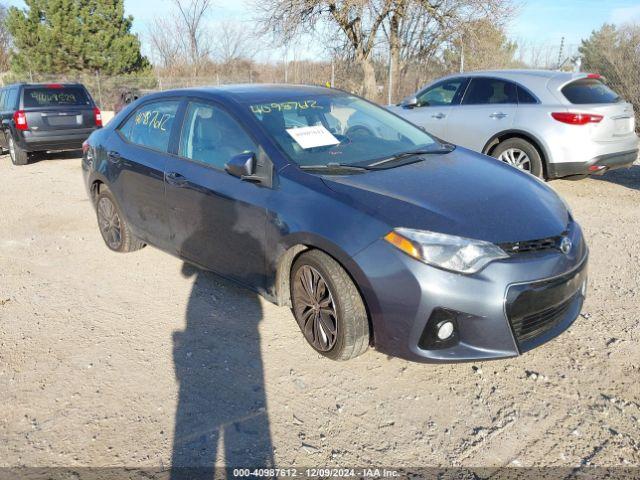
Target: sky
547,21
539,22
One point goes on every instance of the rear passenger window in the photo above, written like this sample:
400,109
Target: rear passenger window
150,125
484,91
210,135
589,90
525,97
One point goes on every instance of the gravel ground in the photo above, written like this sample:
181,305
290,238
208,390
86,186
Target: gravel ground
137,360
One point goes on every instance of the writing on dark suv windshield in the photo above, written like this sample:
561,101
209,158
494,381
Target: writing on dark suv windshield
49,97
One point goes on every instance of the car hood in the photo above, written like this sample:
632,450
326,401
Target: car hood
460,193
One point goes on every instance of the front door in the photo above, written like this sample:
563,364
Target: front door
435,105
217,220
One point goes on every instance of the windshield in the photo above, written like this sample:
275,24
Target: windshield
338,129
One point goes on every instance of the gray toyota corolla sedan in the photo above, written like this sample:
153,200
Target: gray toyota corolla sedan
374,233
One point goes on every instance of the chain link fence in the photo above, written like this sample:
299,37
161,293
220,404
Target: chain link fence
109,92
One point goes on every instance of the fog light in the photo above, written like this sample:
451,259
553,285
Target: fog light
445,330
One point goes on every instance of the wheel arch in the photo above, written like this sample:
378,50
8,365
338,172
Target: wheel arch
493,142
299,244
94,185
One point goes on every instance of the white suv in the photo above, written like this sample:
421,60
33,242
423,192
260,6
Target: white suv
551,124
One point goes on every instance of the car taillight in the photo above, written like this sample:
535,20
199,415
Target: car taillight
20,119
576,118
85,147
98,116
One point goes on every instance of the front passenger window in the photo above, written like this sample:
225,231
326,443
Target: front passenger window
210,135
442,94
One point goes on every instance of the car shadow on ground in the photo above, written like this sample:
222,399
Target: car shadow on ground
626,177
48,156
222,412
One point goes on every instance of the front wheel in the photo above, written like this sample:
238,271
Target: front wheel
17,154
521,154
113,227
328,307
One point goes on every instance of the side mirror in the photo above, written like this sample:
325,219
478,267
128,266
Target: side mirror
410,102
243,166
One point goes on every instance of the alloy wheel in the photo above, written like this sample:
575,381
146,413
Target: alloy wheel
109,222
516,158
315,309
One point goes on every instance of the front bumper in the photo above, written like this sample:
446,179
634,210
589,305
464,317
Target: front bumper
596,166
403,295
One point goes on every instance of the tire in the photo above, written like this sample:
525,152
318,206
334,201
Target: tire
17,154
521,154
112,224
344,333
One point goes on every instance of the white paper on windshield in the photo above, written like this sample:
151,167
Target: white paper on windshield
310,137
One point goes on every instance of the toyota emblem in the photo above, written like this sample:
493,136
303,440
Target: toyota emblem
565,245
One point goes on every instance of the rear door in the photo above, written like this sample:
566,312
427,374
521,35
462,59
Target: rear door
136,157
55,109
593,96
8,107
435,105
488,107
5,116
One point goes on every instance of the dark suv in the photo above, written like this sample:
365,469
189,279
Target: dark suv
41,117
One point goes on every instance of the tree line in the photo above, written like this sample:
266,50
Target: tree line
404,42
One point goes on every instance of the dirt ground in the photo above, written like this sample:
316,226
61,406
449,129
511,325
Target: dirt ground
137,360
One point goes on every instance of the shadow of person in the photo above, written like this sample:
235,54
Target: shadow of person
222,413
626,177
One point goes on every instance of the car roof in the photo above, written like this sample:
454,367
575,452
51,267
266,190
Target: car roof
517,73
543,83
44,84
252,92
524,73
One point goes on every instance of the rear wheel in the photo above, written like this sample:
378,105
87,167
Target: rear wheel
113,227
521,154
17,154
328,307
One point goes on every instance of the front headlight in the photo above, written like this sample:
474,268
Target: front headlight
458,254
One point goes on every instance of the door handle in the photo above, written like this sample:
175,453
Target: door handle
114,157
174,178
439,116
498,115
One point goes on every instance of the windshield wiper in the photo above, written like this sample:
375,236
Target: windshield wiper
334,166
413,153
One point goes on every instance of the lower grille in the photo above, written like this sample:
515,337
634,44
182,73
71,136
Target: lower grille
536,308
533,325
